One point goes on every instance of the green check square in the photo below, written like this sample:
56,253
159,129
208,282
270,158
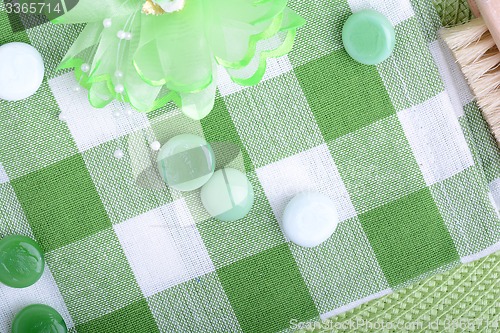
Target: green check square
9,23
481,142
410,74
61,203
342,270
94,277
409,237
194,302
343,94
267,291
133,318
273,119
321,35
260,221
458,203
129,186
220,118
428,17
44,37
376,164
32,135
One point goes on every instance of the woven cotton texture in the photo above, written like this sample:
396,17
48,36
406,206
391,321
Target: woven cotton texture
400,148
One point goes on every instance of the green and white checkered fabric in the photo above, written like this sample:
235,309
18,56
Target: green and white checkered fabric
400,147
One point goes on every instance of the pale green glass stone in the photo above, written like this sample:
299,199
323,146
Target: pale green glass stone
186,162
368,37
228,195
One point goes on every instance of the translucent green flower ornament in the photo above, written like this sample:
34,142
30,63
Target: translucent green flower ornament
148,53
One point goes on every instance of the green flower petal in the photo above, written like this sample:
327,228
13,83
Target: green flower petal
172,57
199,104
275,47
253,12
100,94
262,20
97,10
173,50
82,48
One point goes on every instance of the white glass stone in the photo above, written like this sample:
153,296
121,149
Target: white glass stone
21,71
119,74
310,219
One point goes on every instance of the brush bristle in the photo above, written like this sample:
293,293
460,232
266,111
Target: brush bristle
477,69
479,57
465,34
474,52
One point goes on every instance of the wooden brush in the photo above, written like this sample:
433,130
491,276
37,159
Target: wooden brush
476,46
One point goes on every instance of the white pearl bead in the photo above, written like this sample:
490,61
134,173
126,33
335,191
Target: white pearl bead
77,88
121,34
117,114
155,145
119,88
128,112
128,36
62,117
107,23
119,74
85,68
118,154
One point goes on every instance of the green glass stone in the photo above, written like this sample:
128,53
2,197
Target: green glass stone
228,195
38,318
186,162
21,261
368,37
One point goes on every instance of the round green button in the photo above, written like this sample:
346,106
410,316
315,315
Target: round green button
368,37
38,318
21,261
186,162
228,195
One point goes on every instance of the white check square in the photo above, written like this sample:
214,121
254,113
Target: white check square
436,139
311,170
164,248
89,126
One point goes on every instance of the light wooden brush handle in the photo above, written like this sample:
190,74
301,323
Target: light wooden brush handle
473,8
490,12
